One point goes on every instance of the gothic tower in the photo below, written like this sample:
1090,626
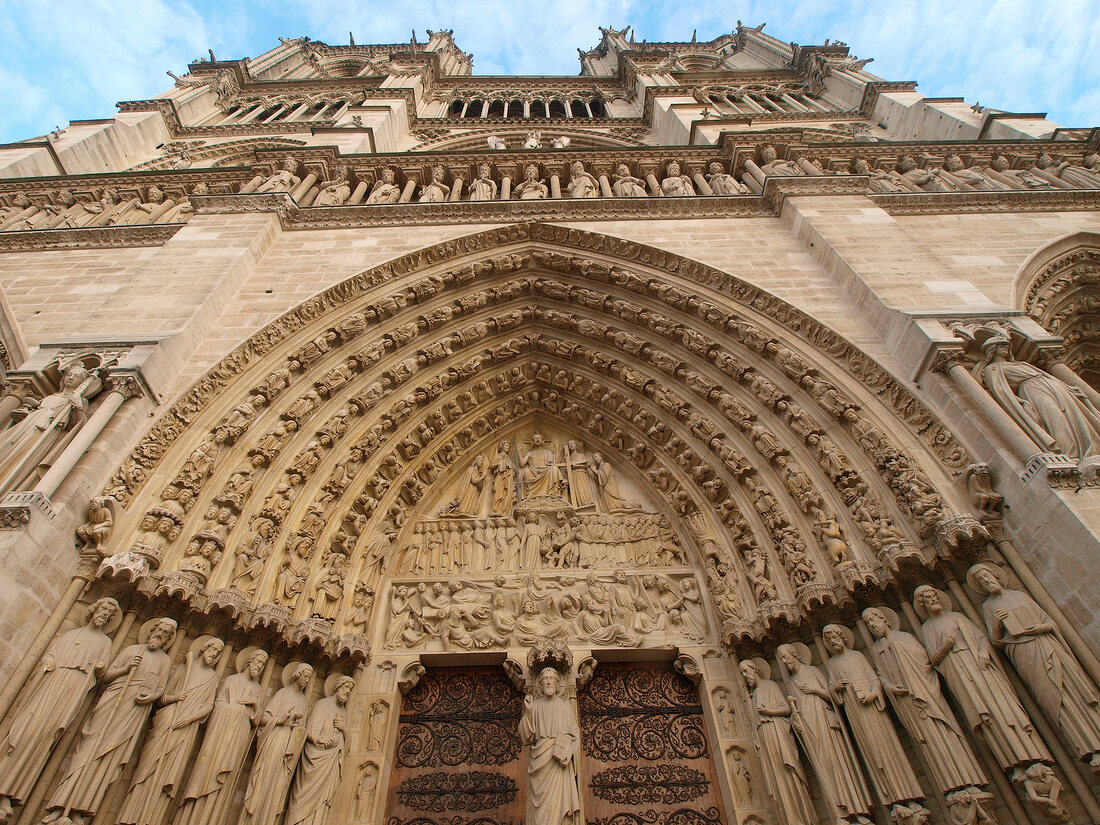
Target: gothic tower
711,438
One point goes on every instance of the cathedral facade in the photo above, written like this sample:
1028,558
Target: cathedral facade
711,438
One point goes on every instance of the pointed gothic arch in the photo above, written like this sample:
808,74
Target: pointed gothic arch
1059,286
787,460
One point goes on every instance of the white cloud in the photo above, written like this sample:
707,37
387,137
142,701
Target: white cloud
73,59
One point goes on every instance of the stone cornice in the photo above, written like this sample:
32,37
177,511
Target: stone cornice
934,203
566,209
100,237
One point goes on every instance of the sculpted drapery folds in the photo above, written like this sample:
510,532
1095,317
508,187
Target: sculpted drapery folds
775,743
962,654
52,699
550,731
1056,416
318,775
1036,649
279,743
822,733
913,687
134,681
228,734
538,472
186,703
24,444
857,690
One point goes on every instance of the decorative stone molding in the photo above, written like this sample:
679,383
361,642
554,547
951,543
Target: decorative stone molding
105,237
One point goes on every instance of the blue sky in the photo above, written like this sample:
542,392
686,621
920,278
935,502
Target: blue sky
73,59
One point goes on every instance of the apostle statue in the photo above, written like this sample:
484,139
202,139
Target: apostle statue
334,192
28,442
1058,417
581,183
549,729
225,743
775,743
435,190
54,695
184,706
723,183
626,185
318,776
821,730
134,681
913,687
1032,643
962,654
279,743
385,190
538,472
532,187
856,689
608,487
675,184
483,187
284,180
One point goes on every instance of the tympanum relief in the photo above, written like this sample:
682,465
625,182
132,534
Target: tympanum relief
536,538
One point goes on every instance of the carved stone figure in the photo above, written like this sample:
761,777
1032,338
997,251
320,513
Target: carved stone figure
251,554
97,529
1036,649
134,681
473,499
435,190
626,185
858,691
534,140
385,190
1058,417
532,187
676,185
771,716
582,184
24,444
284,180
334,192
503,476
979,488
187,701
538,472
961,652
607,486
771,165
911,683
723,183
483,187
229,733
821,730
550,731
279,743
318,776
53,697
578,476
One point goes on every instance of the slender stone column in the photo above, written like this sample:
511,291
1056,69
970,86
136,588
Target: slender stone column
701,185
120,389
605,186
505,187
1022,446
302,188
456,189
43,639
654,187
407,192
555,186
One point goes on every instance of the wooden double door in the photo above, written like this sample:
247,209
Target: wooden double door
644,759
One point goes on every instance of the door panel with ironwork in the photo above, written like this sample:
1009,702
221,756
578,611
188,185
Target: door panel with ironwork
646,758
458,759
